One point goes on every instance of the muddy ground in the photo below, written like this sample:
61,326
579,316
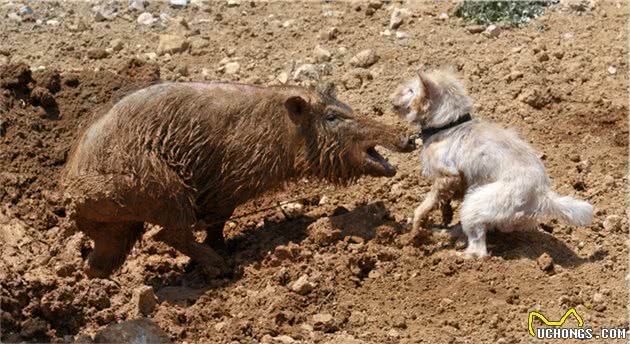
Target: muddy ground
344,270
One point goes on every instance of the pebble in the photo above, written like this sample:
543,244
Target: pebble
306,72
52,22
393,333
137,5
396,18
220,326
321,54
612,223
116,44
545,262
283,77
492,31
364,59
375,4
612,70
104,12
330,34
171,44
232,67
26,10
233,3
401,34
145,18
443,16
322,232
97,53
356,78
144,300
302,285
598,298
178,3
132,331
14,16
324,322
292,210
476,29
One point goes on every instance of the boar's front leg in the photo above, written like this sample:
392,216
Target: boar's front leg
183,240
214,230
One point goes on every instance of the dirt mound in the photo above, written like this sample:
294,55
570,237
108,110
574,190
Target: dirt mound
337,265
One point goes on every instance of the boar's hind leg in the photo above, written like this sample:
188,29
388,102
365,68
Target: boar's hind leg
183,240
112,243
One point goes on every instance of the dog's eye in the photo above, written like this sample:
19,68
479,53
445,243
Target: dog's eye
410,90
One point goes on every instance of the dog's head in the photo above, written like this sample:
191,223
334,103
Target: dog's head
431,99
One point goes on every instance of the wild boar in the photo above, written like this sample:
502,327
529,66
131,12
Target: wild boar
174,154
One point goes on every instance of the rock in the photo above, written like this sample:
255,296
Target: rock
396,18
151,56
306,72
321,54
198,43
322,232
172,44
476,29
443,16
324,322
598,298
345,339
283,77
364,59
232,67
514,75
545,262
145,18
612,223
233,3
116,44
178,3
393,333
330,34
282,339
492,31
105,12
136,5
14,17
401,35
324,200
97,53
220,326
612,70
292,210
375,4
52,22
25,11
132,331
543,57
302,285
144,300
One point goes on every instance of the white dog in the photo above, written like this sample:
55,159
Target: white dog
500,178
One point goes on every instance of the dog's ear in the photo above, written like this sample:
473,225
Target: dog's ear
428,86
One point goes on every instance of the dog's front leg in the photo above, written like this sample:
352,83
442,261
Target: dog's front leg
441,192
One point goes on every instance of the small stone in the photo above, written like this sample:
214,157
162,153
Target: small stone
324,200
104,12
396,18
151,56
492,31
172,44
220,326
52,22
612,223
232,67
136,5
178,3
198,43
514,75
598,298
141,330
324,322
97,53
306,72
612,70
443,16
283,77
116,44
375,4
25,10
302,285
393,333
401,35
288,23
476,29
322,232
543,57
145,18
545,262
321,54
558,54
356,78
144,300
364,59
330,34
14,17
233,3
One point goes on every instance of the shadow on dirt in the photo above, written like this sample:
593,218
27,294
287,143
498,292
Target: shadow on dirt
259,247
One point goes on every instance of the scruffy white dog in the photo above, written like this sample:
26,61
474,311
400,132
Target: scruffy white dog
500,178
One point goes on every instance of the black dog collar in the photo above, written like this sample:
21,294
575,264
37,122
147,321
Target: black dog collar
426,133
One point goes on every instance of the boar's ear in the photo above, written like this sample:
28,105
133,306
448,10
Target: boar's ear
298,109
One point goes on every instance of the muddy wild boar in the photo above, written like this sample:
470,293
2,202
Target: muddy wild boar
177,154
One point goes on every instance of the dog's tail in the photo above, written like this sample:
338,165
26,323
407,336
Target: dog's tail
568,209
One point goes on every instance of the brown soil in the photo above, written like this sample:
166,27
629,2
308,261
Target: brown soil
364,281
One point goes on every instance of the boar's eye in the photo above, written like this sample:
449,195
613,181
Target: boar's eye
331,117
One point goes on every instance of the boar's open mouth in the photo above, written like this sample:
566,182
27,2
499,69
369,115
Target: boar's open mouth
377,165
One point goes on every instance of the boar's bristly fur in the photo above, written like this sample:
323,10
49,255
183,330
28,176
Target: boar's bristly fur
177,153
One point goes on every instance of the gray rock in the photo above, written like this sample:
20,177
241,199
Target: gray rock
321,54
364,59
545,262
302,285
132,331
232,67
136,5
178,3
306,72
492,31
172,44
105,12
612,223
397,18
324,322
145,18
26,11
